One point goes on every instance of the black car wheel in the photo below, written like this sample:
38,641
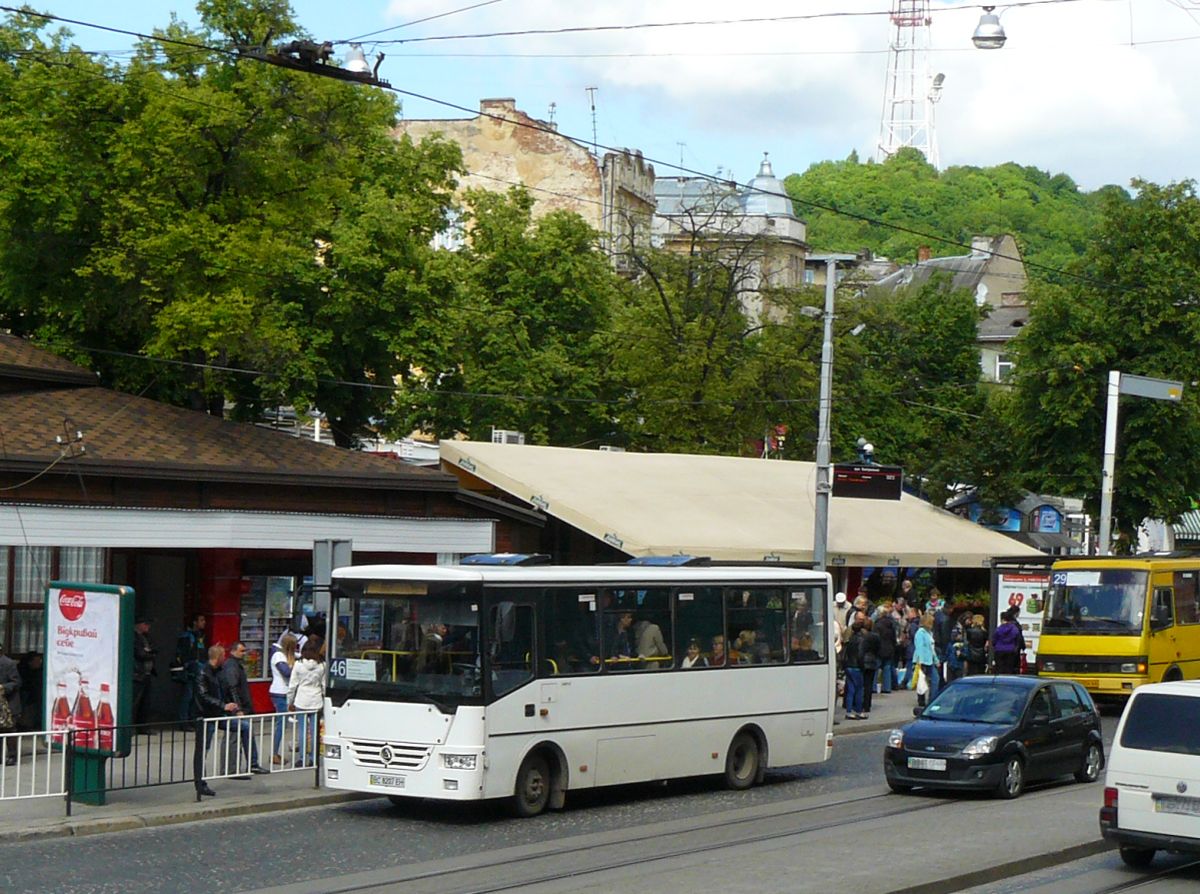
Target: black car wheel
1137,857
1089,770
1013,782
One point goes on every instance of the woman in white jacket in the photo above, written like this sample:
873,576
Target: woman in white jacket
306,692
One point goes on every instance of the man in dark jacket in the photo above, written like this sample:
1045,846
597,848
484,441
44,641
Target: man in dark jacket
210,702
143,668
237,686
885,627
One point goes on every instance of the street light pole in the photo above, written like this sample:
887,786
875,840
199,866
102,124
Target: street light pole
824,472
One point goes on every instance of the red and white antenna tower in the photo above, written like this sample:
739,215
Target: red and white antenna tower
910,93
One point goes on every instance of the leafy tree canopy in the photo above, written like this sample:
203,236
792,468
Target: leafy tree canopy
1048,214
1135,308
219,212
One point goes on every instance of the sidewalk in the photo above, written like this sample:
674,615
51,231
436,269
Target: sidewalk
887,712
158,805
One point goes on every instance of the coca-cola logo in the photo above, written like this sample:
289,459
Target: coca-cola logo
72,603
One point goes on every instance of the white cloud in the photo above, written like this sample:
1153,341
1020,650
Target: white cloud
1066,93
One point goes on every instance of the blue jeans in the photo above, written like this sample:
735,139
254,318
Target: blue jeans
279,702
887,675
931,674
854,690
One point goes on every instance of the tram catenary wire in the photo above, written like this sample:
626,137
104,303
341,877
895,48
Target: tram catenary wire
903,806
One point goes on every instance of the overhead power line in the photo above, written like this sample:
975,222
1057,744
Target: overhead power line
642,26
542,128
440,15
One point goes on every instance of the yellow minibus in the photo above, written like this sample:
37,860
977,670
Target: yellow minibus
1113,623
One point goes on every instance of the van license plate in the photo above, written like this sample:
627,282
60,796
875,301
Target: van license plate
386,781
1173,804
927,763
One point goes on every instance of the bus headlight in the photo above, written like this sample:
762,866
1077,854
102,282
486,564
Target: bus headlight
1049,666
333,752
1133,667
459,761
982,745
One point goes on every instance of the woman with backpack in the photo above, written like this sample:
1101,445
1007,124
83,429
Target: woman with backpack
1008,642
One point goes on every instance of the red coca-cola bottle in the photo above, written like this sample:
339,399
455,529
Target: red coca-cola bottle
60,714
104,721
83,718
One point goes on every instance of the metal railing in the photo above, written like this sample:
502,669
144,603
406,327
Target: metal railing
259,743
38,770
57,764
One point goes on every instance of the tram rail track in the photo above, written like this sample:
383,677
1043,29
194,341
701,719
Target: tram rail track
528,868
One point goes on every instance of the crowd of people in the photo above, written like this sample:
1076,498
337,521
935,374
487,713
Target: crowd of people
219,689
896,644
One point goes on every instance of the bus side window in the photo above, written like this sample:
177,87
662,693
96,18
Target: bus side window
1162,614
698,616
756,625
1185,597
511,637
572,630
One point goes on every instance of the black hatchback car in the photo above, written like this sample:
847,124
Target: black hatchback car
997,733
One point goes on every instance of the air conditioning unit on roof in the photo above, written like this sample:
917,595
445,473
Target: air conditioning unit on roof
504,436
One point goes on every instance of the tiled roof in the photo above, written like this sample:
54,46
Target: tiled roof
125,434
19,359
1003,323
965,270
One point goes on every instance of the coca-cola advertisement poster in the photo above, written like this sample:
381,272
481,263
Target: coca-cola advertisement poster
89,664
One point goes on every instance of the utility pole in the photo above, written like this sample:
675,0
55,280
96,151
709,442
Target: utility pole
824,471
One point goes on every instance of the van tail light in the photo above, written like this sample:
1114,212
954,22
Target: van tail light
1108,813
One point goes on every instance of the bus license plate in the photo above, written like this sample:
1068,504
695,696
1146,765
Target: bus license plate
927,763
386,781
1172,804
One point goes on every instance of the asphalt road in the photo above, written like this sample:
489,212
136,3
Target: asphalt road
1104,874
283,849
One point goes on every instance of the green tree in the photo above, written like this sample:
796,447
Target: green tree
1048,215
1133,308
220,212
693,362
910,383
524,344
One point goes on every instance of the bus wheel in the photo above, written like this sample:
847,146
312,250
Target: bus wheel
533,786
741,763
398,801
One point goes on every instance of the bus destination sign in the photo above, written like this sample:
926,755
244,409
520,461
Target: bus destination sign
867,482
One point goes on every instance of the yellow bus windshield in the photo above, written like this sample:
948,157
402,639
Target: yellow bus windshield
1110,600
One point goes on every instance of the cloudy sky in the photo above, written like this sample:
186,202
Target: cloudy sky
1104,90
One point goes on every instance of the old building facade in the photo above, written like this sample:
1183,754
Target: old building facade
502,147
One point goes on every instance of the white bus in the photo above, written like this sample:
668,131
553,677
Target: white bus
464,683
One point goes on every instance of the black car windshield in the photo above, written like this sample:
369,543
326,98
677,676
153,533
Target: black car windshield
1096,601
407,645
995,703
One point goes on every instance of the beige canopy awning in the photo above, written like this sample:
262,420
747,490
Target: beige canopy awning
724,507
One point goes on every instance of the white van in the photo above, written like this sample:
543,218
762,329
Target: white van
1152,787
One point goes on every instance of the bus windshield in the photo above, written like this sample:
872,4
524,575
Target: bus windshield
407,641
1096,601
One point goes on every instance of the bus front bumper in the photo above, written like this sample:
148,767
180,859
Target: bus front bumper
447,773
